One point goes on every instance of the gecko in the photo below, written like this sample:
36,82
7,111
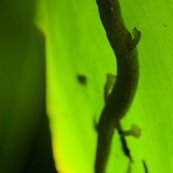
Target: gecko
124,89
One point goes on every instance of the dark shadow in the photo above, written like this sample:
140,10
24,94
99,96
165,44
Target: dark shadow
40,158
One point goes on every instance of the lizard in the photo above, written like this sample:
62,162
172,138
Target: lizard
124,89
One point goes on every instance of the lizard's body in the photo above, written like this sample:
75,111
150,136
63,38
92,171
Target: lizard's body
125,86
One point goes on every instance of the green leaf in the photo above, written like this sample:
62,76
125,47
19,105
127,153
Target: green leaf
22,87
76,45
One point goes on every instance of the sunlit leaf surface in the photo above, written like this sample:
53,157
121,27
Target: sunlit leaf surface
76,44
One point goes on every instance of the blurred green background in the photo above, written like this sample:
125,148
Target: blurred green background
76,44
